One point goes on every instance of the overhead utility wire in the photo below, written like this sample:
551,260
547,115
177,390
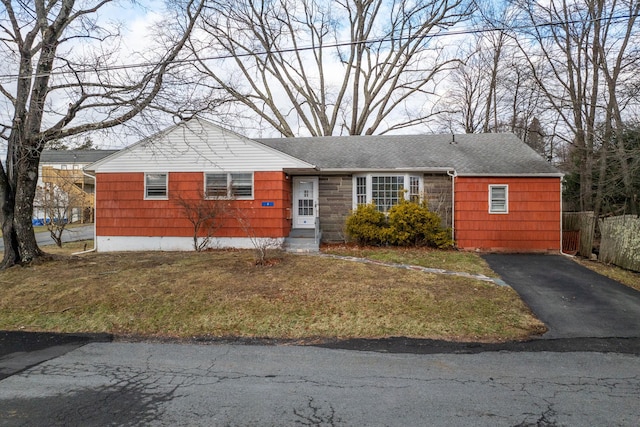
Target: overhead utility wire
614,20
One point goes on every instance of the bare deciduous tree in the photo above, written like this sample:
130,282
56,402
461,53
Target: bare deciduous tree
57,204
327,67
586,51
492,89
64,83
465,108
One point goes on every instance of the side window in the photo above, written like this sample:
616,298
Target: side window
498,199
155,186
414,188
361,190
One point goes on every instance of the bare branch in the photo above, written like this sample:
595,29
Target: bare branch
280,60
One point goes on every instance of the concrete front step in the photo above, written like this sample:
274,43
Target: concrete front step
300,244
301,240
307,233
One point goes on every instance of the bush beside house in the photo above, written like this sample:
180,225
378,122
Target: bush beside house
407,224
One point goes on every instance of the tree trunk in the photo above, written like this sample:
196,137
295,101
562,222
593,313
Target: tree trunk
17,228
11,254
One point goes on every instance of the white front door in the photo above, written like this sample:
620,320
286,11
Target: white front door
305,201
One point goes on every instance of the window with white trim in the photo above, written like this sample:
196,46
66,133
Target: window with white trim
155,185
414,188
386,190
361,190
229,185
499,199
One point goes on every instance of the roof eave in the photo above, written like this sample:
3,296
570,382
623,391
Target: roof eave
386,170
523,175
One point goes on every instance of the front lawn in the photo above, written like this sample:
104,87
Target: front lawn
425,257
223,294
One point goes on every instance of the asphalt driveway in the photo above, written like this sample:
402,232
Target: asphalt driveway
570,299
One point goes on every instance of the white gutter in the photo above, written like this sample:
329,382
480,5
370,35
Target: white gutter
94,216
453,174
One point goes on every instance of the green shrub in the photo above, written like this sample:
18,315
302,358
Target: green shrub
367,226
407,224
412,224
442,239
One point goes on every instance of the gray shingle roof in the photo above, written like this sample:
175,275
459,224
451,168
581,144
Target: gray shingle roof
470,154
74,156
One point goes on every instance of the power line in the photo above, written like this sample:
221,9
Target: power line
614,20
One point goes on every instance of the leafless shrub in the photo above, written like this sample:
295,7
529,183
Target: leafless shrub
265,248
206,215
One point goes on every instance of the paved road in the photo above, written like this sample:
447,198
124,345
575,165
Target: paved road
570,299
22,350
245,385
68,235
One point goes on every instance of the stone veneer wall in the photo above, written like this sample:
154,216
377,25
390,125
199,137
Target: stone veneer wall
437,188
335,202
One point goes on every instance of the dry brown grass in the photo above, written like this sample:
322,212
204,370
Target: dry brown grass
222,293
626,277
451,260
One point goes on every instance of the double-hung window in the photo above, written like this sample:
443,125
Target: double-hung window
361,190
499,199
386,190
155,185
229,185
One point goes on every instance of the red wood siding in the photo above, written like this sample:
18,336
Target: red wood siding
532,224
121,209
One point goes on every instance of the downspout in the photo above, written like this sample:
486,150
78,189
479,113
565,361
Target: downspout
562,220
94,216
453,175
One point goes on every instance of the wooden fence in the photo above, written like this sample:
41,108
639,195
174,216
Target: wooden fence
620,241
582,222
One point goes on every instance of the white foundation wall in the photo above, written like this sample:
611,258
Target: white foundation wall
137,243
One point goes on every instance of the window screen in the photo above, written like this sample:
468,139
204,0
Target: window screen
216,185
241,185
